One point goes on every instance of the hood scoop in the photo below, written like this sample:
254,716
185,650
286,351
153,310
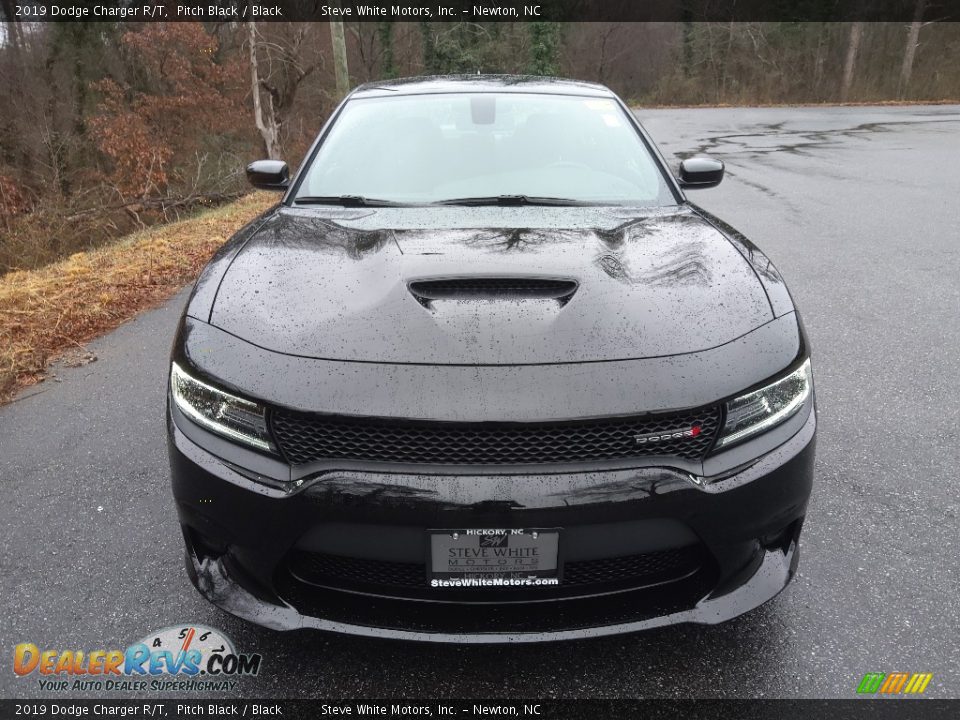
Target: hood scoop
493,288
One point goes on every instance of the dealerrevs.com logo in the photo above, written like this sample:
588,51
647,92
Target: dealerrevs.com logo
176,658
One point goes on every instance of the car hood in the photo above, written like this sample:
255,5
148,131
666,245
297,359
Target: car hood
339,284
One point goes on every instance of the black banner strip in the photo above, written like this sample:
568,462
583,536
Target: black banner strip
187,707
486,11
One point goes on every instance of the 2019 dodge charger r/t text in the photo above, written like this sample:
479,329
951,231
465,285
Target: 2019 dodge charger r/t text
484,375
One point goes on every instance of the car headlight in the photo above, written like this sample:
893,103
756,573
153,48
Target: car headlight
228,415
761,409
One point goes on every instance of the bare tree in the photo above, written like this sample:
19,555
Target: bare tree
820,59
849,66
12,26
373,43
910,50
340,57
607,32
266,122
287,64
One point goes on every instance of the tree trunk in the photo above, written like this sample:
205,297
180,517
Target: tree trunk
910,50
853,47
12,26
340,57
388,67
686,37
266,122
818,65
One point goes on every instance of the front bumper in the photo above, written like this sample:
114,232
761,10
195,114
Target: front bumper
744,526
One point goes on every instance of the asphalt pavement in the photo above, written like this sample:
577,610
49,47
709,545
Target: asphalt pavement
859,208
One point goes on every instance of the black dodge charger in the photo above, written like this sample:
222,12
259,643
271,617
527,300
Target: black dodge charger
484,374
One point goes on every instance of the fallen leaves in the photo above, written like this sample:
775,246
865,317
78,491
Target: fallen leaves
56,308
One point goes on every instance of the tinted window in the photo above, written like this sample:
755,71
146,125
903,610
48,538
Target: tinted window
430,148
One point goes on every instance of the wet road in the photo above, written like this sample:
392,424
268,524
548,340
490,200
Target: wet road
859,209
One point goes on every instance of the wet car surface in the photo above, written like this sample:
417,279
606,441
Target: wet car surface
525,326
845,202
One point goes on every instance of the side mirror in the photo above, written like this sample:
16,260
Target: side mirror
269,174
700,172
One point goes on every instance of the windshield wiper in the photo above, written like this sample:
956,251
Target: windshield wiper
502,200
511,200
345,201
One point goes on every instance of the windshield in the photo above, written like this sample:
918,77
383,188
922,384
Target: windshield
484,147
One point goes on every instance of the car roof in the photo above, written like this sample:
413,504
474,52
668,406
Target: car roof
436,84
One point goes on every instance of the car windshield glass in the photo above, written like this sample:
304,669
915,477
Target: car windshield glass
485,148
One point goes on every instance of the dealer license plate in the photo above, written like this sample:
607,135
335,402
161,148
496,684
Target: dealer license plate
494,557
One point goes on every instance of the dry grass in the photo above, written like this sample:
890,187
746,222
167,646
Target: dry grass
55,309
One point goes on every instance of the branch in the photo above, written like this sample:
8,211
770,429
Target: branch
161,203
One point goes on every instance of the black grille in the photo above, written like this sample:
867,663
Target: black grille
306,437
632,570
492,288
